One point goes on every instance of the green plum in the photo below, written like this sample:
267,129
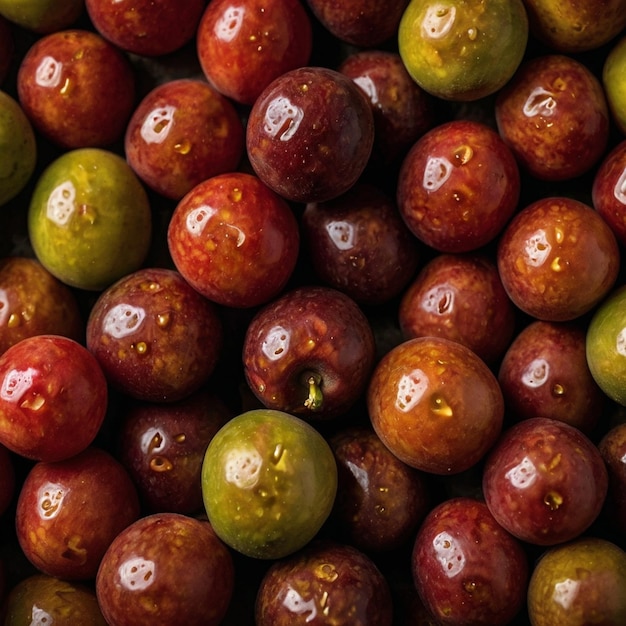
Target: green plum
89,219
613,73
606,345
42,16
18,148
269,482
463,50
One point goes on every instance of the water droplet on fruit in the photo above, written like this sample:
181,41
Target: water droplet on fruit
14,320
123,320
436,173
326,571
236,194
74,552
163,320
141,347
183,147
439,406
469,586
277,453
152,441
160,464
88,213
558,390
66,88
33,402
472,33
556,264
463,155
553,500
438,21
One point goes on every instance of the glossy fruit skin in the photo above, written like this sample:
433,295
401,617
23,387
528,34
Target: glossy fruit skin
359,22
612,73
380,500
553,114
466,567
358,244
182,133
309,332
242,252
162,446
35,303
545,372
18,147
606,356
463,51
243,48
609,190
326,583
43,16
435,405
545,481
89,219
54,601
165,568
155,337
310,134
557,259
53,398
458,186
149,27
77,89
269,481
69,511
461,298
580,582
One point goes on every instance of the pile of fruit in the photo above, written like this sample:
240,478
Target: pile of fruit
312,312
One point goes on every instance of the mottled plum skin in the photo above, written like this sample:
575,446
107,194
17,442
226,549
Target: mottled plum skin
54,397
155,337
310,353
458,186
581,582
554,116
380,500
243,48
467,569
310,134
149,27
612,447
609,191
166,568
360,22
162,446
435,405
545,373
34,302
461,298
77,89
326,583
182,133
68,512
358,243
402,110
242,251
557,259
545,481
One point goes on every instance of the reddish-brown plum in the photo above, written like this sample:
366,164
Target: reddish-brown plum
68,512
182,133
77,89
33,302
609,190
309,352
467,569
234,240
545,481
325,583
360,22
358,243
243,47
403,111
435,404
554,116
545,373
557,259
380,500
310,134
155,337
612,447
8,481
458,186
53,397
166,568
162,446
461,298
146,27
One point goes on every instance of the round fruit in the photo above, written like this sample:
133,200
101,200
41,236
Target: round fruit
269,481
614,84
89,219
463,50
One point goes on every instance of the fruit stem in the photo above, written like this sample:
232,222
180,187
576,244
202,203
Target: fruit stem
316,398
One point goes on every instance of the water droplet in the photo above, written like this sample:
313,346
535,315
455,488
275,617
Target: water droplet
66,88
156,442
277,454
88,213
553,500
236,194
163,320
180,438
556,264
558,390
472,33
469,586
14,320
439,406
326,571
33,402
462,155
141,347
183,147
160,464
